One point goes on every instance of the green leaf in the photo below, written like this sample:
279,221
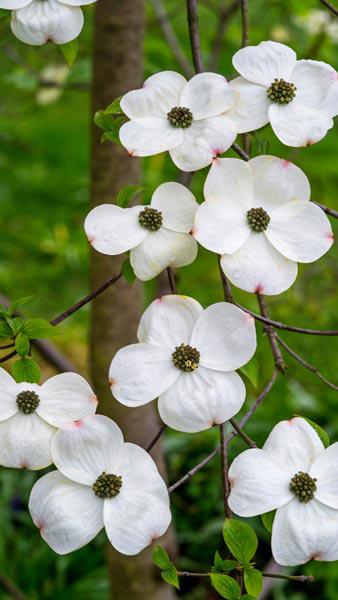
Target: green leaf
4,312
223,565
251,371
267,519
104,121
170,576
38,328
253,581
15,324
319,430
226,586
5,330
18,303
247,597
70,51
4,13
115,107
26,369
127,193
111,136
241,539
22,344
128,272
161,558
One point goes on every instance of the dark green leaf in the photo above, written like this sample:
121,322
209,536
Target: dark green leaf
38,328
251,371
115,107
127,271
253,581
111,136
5,330
226,586
268,519
247,597
26,369
161,558
70,51
241,539
104,121
127,193
319,430
18,303
4,312
22,344
4,13
15,324
170,576
223,565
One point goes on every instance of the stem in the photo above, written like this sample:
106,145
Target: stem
245,22
242,434
223,21
225,470
228,297
327,210
240,152
189,574
11,588
330,6
194,35
278,357
172,280
156,438
171,38
302,578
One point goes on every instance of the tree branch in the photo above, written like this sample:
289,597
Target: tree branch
156,438
327,210
277,355
245,22
11,588
194,35
225,470
330,7
242,434
171,38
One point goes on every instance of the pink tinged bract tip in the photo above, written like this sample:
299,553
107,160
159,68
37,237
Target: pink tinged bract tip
77,424
330,236
131,153
285,163
193,231
259,289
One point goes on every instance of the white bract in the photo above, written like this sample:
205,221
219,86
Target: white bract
100,482
156,235
258,217
30,414
294,474
187,358
187,118
298,97
36,22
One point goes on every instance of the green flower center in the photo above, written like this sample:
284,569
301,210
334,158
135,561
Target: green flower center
27,402
150,219
258,219
303,486
186,358
179,116
281,91
107,485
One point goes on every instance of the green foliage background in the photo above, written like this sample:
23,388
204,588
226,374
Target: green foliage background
44,176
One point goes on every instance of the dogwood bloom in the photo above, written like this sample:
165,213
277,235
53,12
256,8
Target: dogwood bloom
187,118
298,97
294,474
156,235
258,217
36,22
187,358
30,414
100,482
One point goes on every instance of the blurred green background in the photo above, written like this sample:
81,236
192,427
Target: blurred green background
44,177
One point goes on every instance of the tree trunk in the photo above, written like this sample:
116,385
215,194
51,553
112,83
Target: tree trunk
117,68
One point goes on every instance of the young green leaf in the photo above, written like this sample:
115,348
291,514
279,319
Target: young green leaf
70,51
18,303
161,558
115,107
38,328
26,369
170,576
247,597
221,564
267,519
319,430
15,324
127,193
251,371
5,330
226,586
22,344
128,272
253,581
241,539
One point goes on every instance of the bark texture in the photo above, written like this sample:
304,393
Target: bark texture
117,68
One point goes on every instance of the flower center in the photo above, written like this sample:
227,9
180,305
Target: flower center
258,219
179,116
150,219
281,91
303,486
107,485
186,358
27,402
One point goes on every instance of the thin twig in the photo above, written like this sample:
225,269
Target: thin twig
330,6
260,398
242,434
228,297
171,38
217,44
240,152
327,210
172,280
302,578
245,22
277,355
225,471
194,35
156,438
11,588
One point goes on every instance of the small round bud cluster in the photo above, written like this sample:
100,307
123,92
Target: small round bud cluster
258,219
107,485
281,91
27,402
303,486
186,358
150,219
180,117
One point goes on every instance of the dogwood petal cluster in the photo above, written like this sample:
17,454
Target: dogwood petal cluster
298,97
188,118
296,475
156,235
258,217
186,357
30,415
100,481
36,22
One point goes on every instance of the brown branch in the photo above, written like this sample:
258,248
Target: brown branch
245,22
240,152
225,470
156,438
242,434
172,280
327,210
228,297
330,6
171,38
217,44
277,355
194,35
260,398
11,588
302,578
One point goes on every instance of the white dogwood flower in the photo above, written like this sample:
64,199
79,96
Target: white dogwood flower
258,217
187,358
298,97
36,22
294,474
100,482
30,414
156,235
187,118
